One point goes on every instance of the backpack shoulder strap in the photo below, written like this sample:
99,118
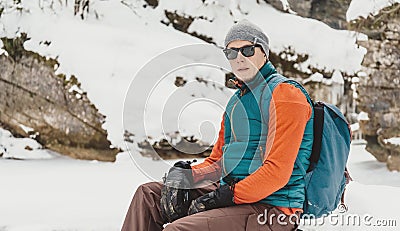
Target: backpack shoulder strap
318,129
272,83
274,80
298,85
318,124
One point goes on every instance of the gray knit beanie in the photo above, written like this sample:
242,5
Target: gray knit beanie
245,30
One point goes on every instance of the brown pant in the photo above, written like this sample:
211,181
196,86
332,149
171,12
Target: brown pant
144,215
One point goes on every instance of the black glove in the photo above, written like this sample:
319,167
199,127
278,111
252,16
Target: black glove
180,175
221,197
175,194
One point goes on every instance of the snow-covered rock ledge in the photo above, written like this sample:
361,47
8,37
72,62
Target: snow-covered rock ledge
37,103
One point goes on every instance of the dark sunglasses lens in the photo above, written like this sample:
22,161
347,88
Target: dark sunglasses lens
247,51
230,54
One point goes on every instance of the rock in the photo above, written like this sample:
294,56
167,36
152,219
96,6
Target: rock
55,109
379,89
176,147
152,3
180,81
29,148
182,23
331,12
393,162
373,147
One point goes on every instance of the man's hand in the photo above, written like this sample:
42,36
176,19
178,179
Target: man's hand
175,194
221,197
180,175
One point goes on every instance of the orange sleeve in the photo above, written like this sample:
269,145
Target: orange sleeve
211,167
289,113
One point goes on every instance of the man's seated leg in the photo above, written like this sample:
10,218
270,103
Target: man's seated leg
144,211
236,218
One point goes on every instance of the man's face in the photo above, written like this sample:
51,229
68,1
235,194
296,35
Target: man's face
245,68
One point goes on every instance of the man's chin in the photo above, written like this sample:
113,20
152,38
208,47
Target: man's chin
245,78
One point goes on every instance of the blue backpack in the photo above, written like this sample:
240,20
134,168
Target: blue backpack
327,176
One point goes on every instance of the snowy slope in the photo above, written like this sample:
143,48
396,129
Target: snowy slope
107,49
305,36
22,148
104,54
363,8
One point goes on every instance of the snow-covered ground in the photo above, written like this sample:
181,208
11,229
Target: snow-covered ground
47,191
60,193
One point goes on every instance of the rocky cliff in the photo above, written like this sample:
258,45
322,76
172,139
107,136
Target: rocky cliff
331,12
37,103
379,87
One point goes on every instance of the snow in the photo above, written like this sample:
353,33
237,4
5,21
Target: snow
319,78
362,74
76,89
59,193
65,194
337,77
316,77
21,148
304,35
355,80
362,116
118,46
285,4
78,92
393,140
103,54
26,128
1,50
363,8
354,127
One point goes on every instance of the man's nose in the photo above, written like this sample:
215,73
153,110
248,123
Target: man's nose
240,58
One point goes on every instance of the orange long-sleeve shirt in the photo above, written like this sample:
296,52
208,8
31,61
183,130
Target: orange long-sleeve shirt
289,113
211,167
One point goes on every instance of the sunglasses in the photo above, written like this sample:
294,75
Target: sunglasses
247,51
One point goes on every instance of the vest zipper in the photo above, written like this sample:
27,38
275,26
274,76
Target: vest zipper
242,92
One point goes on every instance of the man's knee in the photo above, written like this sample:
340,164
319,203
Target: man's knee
175,226
170,227
147,194
188,223
150,187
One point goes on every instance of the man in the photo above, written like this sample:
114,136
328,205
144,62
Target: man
262,133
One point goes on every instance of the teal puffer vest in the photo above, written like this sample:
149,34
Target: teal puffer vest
246,134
